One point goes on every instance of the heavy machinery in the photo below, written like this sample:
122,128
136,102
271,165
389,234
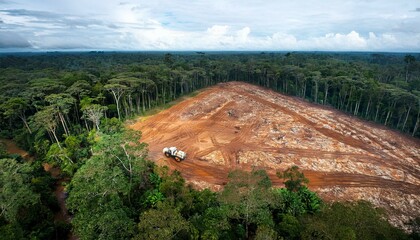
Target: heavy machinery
178,155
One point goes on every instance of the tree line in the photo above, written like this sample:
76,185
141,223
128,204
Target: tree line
65,90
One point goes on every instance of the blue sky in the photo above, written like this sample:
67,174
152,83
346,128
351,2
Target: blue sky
269,25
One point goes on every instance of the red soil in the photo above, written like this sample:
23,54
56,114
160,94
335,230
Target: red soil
237,125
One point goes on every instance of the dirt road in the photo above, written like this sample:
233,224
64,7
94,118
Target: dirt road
237,125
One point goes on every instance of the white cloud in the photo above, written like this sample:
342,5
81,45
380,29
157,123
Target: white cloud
331,41
218,31
357,25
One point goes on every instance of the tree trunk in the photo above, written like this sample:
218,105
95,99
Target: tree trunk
349,100
62,123
387,117
415,126
406,118
130,104
23,118
377,111
86,125
142,100
368,105
56,139
326,93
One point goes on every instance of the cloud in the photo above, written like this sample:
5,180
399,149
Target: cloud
30,13
226,37
349,41
12,40
27,17
215,25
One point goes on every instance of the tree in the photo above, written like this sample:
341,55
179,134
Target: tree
46,119
294,179
94,113
248,198
165,223
16,107
25,201
213,223
16,192
3,151
289,227
310,200
409,60
41,87
62,103
102,191
79,90
117,91
358,220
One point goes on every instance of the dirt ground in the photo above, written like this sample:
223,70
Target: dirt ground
12,148
238,125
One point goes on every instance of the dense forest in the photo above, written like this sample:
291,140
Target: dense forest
68,109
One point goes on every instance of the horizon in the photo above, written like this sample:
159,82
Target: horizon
138,25
43,51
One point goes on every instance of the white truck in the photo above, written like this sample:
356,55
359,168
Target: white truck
178,155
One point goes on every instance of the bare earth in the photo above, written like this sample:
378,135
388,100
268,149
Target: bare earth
238,125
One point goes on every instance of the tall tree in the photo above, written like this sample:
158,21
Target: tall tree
46,119
16,107
94,113
294,179
248,198
117,91
409,60
61,102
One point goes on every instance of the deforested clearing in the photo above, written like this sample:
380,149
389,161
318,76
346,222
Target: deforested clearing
237,125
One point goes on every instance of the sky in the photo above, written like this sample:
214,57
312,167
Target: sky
210,25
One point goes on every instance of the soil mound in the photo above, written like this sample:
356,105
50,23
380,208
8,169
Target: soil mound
238,125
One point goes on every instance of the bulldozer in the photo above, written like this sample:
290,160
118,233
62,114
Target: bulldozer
178,155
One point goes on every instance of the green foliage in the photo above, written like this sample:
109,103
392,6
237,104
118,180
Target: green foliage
16,192
213,223
294,179
291,203
289,227
153,197
358,220
26,201
248,198
310,200
111,126
415,226
265,233
3,152
165,222
102,191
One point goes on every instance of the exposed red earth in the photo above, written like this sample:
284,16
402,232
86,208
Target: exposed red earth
237,125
